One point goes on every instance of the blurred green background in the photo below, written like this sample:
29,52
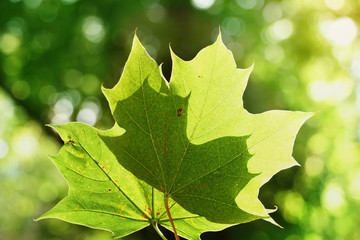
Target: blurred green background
55,54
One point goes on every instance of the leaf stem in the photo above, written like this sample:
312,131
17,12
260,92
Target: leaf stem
169,215
154,224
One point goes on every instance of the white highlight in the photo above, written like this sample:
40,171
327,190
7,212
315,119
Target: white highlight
89,113
337,90
339,32
63,109
4,149
202,4
333,197
282,29
334,4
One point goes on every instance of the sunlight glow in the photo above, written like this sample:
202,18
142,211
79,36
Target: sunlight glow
202,4
4,149
334,4
89,113
337,90
339,32
27,143
282,29
63,109
354,187
9,43
333,197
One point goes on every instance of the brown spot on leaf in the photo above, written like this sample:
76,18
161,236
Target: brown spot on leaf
179,112
102,166
70,141
110,189
148,210
143,215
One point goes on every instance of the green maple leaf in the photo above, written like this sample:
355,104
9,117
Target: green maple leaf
103,195
193,140
190,143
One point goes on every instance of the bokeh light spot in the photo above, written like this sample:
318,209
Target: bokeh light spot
68,2
9,43
202,4
93,29
337,90
354,187
156,13
63,109
339,32
20,90
233,25
237,49
27,143
274,53
282,29
272,12
355,65
247,4
4,148
294,207
313,166
333,197
45,93
92,85
89,113
86,115
73,78
334,4
32,4
49,11
313,236
320,90
318,144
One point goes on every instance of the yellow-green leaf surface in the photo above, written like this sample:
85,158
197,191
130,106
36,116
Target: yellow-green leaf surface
192,139
103,195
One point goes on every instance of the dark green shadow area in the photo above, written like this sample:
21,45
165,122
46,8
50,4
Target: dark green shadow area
204,179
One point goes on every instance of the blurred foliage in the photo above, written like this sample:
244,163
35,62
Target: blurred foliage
55,54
